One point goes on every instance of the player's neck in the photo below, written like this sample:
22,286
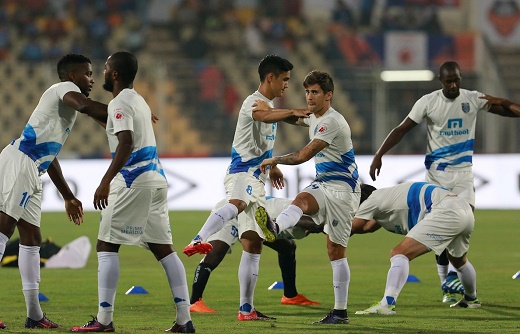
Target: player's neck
118,87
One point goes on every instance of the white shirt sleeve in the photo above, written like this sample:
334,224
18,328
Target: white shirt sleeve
121,116
327,130
419,110
65,87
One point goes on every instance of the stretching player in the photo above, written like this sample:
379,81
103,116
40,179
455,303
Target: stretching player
431,218
223,240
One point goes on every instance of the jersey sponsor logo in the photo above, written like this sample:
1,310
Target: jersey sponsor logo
118,114
465,106
454,123
132,230
269,137
322,128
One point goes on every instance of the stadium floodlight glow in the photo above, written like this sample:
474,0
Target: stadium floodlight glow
420,75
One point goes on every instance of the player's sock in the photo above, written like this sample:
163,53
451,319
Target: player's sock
202,273
288,217
396,278
29,265
468,278
442,265
247,277
287,263
108,277
217,219
176,275
340,282
3,242
451,268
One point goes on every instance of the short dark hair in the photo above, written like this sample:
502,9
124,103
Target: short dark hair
125,64
449,66
323,79
68,62
366,191
273,64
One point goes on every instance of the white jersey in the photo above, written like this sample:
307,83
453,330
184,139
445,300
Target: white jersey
335,164
399,208
129,111
451,127
49,126
253,141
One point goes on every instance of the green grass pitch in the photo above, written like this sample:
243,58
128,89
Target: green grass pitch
73,292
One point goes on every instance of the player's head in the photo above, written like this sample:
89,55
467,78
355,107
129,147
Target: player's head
78,69
450,77
122,67
319,89
366,191
274,73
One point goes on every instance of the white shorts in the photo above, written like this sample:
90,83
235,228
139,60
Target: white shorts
337,209
20,186
251,190
448,226
136,217
458,182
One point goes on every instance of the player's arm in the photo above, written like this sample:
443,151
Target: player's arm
296,158
123,151
390,141
263,113
307,223
501,107
73,206
94,109
362,226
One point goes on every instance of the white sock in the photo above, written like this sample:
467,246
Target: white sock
29,265
468,278
443,271
247,277
340,282
396,278
176,275
3,241
289,217
217,219
108,277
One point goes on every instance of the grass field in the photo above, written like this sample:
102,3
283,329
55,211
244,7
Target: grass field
73,292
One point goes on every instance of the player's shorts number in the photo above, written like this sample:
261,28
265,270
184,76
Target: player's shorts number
25,199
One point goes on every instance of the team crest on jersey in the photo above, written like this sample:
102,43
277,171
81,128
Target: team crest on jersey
118,115
465,106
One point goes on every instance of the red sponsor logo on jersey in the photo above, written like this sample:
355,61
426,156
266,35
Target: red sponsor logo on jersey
118,115
322,128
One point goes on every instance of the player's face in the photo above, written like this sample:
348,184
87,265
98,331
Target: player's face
280,83
108,85
317,101
450,80
82,77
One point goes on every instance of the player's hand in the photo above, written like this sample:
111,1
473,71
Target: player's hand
260,105
266,163
101,196
375,167
276,177
314,228
301,113
154,118
491,100
74,210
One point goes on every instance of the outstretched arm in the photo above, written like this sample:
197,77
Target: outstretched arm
73,206
501,107
296,158
121,156
263,113
94,109
390,141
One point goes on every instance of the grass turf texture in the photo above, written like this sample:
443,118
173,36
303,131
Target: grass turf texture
73,292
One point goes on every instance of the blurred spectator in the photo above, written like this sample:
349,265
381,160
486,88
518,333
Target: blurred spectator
254,40
54,51
32,50
134,38
194,43
5,42
210,84
342,14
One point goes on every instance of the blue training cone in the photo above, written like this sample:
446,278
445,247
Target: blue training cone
136,290
42,297
276,285
517,275
413,279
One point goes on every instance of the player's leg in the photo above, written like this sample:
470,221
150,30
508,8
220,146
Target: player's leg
286,250
468,278
400,258
202,274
